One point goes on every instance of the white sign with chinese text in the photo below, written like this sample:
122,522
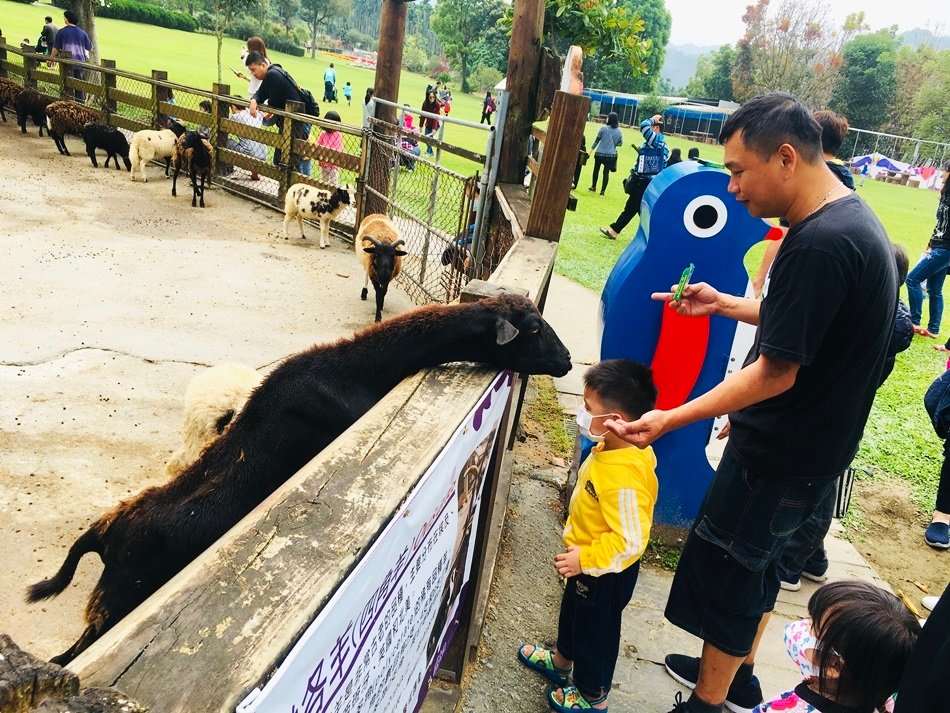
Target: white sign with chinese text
376,643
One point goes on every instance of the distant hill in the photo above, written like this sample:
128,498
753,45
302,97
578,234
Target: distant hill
920,36
680,64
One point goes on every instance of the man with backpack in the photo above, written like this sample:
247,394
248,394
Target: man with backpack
277,88
651,159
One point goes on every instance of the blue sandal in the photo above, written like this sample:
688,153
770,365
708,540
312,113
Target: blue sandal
542,660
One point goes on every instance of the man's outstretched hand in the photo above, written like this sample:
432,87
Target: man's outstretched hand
642,432
697,300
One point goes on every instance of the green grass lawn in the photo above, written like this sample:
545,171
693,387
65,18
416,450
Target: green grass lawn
898,442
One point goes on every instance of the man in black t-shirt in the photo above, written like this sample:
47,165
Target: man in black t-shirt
797,408
277,88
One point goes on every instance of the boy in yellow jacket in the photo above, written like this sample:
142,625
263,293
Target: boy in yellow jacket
607,529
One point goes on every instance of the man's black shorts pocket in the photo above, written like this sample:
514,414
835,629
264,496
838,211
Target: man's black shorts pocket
727,569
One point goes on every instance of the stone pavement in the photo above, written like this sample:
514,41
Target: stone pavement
641,684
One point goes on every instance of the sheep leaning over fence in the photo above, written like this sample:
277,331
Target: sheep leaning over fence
67,117
108,138
29,103
305,201
212,400
195,156
296,412
8,91
377,249
148,145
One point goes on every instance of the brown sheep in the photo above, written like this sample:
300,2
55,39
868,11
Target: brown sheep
67,117
194,155
377,248
29,103
8,91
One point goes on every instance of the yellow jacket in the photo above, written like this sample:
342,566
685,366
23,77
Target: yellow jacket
611,508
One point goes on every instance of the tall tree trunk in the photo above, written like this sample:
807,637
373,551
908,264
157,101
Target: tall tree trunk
85,13
313,40
219,33
464,62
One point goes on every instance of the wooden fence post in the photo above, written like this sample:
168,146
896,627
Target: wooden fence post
219,110
29,67
289,158
3,56
108,84
159,93
561,146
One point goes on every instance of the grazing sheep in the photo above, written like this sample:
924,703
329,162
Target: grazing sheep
29,103
377,248
296,412
67,117
108,138
148,145
305,201
193,154
8,91
212,400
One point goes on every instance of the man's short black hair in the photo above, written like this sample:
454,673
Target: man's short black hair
71,17
49,19
253,58
623,384
770,120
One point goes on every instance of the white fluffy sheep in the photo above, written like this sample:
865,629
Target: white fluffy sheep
148,145
212,400
305,201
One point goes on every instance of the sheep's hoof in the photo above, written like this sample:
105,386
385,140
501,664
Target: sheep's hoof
363,294
322,246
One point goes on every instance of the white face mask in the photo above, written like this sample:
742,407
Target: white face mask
799,641
584,418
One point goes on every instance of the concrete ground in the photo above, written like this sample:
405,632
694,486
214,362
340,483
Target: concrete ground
526,592
114,294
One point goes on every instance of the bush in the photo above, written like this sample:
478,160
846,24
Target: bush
414,58
205,20
651,104
243,27
134,11
485,78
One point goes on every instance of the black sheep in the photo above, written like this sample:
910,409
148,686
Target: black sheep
108,138
296,412
193,154
8,91
29,103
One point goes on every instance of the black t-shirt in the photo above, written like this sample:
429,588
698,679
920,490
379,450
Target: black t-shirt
829,307
941,235
277,88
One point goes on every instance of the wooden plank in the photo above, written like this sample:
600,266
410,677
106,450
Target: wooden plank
538,133
534,166
46,76
124,122
515,204
322,153
135,100
565,130
261,136
183,113
237,158
527,266
221,625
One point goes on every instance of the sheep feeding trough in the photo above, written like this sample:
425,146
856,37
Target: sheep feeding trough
115,296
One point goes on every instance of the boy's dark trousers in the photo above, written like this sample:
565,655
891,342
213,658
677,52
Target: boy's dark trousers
588,631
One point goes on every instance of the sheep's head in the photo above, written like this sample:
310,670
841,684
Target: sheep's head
344,194
177,129
524,341
384,257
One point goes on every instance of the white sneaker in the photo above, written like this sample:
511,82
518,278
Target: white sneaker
790,586
930,602
815,577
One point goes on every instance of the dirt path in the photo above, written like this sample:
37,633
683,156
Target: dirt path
113,296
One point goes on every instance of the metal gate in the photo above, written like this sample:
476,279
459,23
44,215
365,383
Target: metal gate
440,210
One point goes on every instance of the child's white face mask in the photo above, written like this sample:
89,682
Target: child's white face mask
802,645
584,418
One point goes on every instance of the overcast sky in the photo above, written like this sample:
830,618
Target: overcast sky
720,22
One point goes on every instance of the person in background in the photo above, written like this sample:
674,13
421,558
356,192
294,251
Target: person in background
488,108
865,171
636,183
203,130
253,44
74,40
430,125
409,143
693,154
676,156
932,268
582,156
48,37
348,93
329,84
329,139
608,138
606,532
244,145
369,107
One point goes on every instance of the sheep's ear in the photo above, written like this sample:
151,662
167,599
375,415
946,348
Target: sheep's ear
400,253
369,250
505,331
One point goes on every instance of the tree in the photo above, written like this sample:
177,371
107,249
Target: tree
713,77
933,99
85,13
317,12
459,24
287,11
608,73
223,12
912,71
868,79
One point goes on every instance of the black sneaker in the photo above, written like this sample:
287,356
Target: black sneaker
679,705
741,698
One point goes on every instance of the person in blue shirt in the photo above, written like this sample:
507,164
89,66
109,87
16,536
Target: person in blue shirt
642,173
329,83
74,40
